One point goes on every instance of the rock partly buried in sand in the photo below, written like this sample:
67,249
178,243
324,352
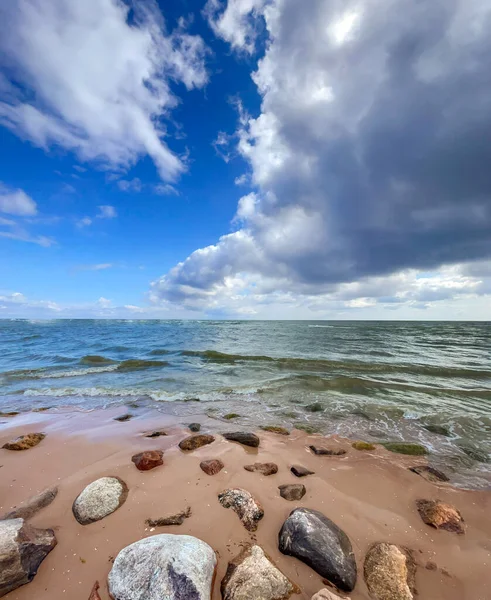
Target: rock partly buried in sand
405,448
263,468
430,473
211,467
177,519
33,505
249,510
94,594
389,572
24,442
99,499
154,434
440,515
323,451
149,459
194,427
123,418
292,491
315,540
242,437
300,471
22,549
275,429
196,441
175,567
325,594
252,576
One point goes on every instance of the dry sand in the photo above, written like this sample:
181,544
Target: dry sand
370,495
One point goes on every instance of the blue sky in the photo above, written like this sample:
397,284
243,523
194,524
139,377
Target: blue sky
244,159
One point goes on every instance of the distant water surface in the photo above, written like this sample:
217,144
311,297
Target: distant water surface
424,381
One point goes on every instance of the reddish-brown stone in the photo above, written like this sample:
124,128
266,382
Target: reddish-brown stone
144,461
211,467
263,468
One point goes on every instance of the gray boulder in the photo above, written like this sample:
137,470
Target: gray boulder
22,549
252,576
166,566
99,499
314,539
248,509
33,505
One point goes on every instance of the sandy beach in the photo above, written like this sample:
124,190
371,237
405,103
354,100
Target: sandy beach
371,495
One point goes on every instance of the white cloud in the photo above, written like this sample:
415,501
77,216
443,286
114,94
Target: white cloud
96,267
21,235
106,212
84,222
94,83
165,190
132,185
16,202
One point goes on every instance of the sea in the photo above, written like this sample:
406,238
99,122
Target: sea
427,382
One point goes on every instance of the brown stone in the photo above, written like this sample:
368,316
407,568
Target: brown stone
292,491
390,572
440,515
300,471
430,473
154,434
149,459
123,418
94,594
177,519
196,441
24,442
211,467
263,468
322,451
33,505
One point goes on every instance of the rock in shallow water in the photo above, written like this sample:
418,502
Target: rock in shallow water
389,572
194,427
263,468
292,491
166,566
144,461
24,442
252,576
211,467
314,539
300,471
430,473
22,549
99,499
440,515
33,505
249,510
242,437
196,441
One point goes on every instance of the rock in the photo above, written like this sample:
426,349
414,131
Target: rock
123,418
315,540
33,505
165,566
325,594
144,461
94,594
196,441
322,451
24,442
440,515
211,467
195,427
231,416
300,471
314,407
275,429
430,473
438,429
154,434
363,445
22,549
389,572
247,439
99,499
292,491
249,510
177,519
263,468
252,576
405,448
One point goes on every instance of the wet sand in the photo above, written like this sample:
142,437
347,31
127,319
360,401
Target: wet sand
370,495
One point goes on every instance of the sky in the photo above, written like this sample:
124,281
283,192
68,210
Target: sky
256,159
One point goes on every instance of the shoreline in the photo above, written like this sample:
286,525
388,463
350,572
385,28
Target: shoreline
371,495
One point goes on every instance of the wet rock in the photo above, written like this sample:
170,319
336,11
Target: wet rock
292,491
315,540
22,549
263,468
438,429
155,434
275,429
195,427
315,407
177,567
249,510
430,473
24,442
323,451
99,499
94,594
177,519
123,418
300,471
363,446
231,416
144,461
440,515
389,572
211,467
252,576
247,439
196,441
405,448
326,594
33,505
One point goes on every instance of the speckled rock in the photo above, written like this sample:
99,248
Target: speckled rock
196,441
300,471
389,572
194,427
22,549
163,567
252,576
326,594
430,474
242,437
440,515
149,459
315,540
263,468
24,442
33,505
211,467
99,499
248,509
292,491
323,451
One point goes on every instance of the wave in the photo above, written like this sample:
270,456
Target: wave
95,359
